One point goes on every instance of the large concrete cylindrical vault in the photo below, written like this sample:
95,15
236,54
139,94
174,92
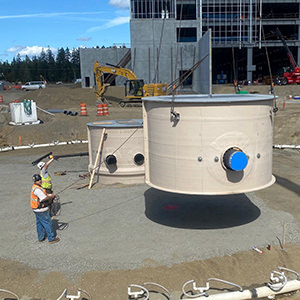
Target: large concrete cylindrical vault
122,157
218,144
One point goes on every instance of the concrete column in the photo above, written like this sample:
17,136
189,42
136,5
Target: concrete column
250,66
298,48
298,38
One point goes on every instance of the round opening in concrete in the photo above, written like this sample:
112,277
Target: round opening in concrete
139,159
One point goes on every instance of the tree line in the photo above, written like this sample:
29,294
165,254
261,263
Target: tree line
64,66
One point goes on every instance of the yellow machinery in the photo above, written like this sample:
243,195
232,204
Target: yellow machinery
135,88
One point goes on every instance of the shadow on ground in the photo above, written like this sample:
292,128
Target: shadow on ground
199,212
288,184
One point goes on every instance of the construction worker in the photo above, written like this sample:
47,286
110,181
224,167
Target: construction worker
39,204
46,178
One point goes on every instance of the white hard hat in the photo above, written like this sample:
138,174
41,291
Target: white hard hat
40,165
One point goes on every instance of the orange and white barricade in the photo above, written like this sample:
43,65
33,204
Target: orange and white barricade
99,109
105,109
83,110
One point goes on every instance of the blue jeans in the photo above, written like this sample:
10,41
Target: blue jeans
44,225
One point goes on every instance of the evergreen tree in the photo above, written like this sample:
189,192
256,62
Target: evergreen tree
50,76
75,60
60,63
65,66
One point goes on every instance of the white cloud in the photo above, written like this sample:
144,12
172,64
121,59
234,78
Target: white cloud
30,51
15,49
120,3
116,22
110,24
50,15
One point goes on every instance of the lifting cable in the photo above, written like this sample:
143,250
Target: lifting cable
234,71
159,47
275,108
178,81
121,145
174,115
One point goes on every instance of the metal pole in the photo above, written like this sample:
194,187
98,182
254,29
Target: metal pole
200,17
250,21
157,59
260,22
240,44
172,64
149,60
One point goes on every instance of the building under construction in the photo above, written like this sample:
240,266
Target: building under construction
167,40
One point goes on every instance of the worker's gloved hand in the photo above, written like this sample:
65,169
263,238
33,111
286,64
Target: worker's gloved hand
51,156
51,196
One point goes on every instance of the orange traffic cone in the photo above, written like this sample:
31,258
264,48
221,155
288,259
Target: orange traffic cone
1,99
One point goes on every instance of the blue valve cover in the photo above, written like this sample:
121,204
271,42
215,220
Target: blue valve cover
238,161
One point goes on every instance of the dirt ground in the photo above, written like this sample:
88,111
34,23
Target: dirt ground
65,128
247,268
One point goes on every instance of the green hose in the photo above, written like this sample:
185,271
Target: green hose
27,107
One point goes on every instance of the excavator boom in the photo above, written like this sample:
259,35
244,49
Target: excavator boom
135,88
115,70
100,85
127,73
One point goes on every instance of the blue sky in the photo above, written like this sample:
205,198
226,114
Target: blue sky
27,26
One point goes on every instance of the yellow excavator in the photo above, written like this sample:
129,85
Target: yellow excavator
135,88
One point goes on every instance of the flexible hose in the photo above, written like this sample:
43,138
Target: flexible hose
27,107
136,294
202,293
227,282
6,291
282,281
289,270
162,287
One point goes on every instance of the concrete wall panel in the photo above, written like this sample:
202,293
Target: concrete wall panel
205,69
103,56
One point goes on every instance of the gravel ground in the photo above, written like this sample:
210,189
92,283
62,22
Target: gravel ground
124,227
127,227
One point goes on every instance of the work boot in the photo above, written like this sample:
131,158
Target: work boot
56,240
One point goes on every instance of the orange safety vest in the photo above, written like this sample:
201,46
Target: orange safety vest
35,201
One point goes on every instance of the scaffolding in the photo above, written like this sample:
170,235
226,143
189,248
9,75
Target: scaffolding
152,9
246,25
231,22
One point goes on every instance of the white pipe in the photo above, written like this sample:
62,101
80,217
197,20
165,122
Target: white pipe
296,147
6,291
9,148
256,293
45,111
